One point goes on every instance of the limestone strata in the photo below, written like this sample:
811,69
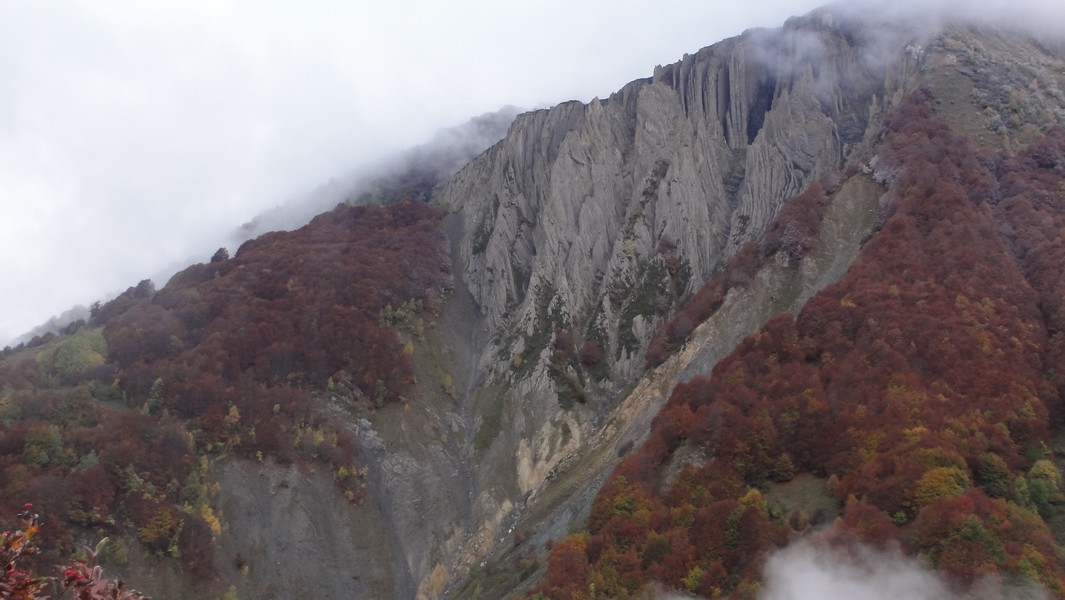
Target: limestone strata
580,199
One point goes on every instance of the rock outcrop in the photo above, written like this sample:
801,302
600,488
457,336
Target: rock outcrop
583,201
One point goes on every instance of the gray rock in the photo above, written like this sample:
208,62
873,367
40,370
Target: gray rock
578,200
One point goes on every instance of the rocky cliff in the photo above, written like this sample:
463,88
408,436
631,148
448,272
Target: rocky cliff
579,232
583,199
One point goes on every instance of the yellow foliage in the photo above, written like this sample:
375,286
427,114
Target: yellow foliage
1045,470
940,482
448,385
691,582
683,516
162,530
234,415
212,521
871,445
735,376
816,405
754,498
983,340
915,433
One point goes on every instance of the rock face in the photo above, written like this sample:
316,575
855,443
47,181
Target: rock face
582,202
314,531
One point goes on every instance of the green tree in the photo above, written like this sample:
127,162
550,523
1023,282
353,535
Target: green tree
67,362
993,474
43,446
1044,485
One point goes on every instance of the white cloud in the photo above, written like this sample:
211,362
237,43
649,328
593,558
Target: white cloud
1039,16
808,570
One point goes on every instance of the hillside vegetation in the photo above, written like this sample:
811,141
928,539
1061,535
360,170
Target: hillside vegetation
112,429
923,388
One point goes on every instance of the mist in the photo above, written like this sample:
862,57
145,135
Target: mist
825,566
812,570
407,174
1040,17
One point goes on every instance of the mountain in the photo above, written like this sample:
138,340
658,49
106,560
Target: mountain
918,394
802,284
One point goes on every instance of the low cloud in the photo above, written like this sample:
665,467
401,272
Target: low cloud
402,175
812,569
809,570
1042,17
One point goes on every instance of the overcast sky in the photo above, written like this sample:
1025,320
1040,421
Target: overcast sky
134,136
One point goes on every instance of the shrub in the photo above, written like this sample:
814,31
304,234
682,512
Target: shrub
82,579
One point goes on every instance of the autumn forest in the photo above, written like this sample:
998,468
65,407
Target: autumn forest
922,389
110,428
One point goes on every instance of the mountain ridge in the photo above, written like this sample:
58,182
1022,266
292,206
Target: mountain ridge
577,246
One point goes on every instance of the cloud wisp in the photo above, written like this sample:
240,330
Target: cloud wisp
811,570
1039,17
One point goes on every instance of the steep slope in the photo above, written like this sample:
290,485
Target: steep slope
177,419
582,230
922,386
969,70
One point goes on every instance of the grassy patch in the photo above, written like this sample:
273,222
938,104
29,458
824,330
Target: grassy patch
806,494
491,423
639,301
